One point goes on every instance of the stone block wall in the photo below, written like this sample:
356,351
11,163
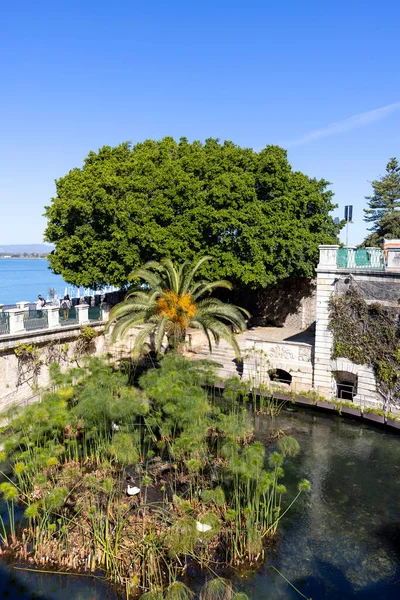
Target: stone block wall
374,286
261,357
18,381
291,303
18,384
323,380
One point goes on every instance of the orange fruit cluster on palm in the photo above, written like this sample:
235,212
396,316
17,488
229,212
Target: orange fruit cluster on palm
179,309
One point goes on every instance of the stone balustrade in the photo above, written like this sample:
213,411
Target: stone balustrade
19,319
352,259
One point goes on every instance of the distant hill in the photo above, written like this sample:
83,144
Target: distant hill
28,248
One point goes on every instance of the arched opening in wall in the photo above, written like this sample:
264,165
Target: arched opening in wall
280,376
346,385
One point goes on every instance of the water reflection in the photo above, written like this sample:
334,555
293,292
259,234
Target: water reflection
342,541
25,585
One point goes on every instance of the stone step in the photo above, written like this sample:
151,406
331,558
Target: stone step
223,355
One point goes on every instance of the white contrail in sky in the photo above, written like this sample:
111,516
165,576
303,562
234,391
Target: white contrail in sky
346,125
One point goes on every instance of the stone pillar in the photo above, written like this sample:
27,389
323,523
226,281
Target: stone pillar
393,259
53,316
16,320
23,305
328,257
82,312
105,311
326,278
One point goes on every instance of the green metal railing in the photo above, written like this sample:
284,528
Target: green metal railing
71,314
4,323
95,313
35,319
360,259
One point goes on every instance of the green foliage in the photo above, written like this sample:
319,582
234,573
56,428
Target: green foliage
288,446
260,220
383,206
180,403
170,302
117,403
178,591
124,449
85,342
368,334
56,498
8,490
32,510
217,589
208,492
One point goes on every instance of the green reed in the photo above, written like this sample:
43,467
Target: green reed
215,485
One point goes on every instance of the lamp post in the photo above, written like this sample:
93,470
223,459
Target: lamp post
348,217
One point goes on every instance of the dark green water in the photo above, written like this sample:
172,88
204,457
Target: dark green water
340,541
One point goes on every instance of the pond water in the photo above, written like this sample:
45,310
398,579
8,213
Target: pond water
340,541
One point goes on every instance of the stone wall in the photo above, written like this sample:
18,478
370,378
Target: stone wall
19,380
18,383
374,286
291,303
261,357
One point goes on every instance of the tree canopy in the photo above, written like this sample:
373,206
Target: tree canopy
261,221
383,206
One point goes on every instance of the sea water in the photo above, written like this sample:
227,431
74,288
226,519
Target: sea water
22,279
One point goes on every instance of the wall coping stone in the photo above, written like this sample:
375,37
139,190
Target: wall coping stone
44,333
257,340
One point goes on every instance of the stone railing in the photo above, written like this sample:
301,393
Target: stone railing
21,319
336,258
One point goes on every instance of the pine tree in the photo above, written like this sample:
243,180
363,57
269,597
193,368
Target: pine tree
383,205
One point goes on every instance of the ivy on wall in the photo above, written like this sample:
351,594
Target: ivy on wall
368,334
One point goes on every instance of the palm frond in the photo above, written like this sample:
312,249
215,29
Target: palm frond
220,330
171,275
188,277
198,324
228,312
124,324
162,326
199,291
147,275
141,338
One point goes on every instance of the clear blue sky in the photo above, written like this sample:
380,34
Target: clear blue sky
80,74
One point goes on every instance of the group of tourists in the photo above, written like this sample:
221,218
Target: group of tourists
65,304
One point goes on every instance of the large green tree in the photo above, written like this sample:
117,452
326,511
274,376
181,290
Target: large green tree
261,221
383,206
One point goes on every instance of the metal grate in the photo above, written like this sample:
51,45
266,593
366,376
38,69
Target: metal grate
95,313
35,319
72,317
4,323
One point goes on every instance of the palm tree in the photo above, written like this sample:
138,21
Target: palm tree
171,301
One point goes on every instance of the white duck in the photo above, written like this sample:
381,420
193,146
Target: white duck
132,490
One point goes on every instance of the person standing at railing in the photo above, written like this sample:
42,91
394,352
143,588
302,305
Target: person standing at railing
66,305
40,303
